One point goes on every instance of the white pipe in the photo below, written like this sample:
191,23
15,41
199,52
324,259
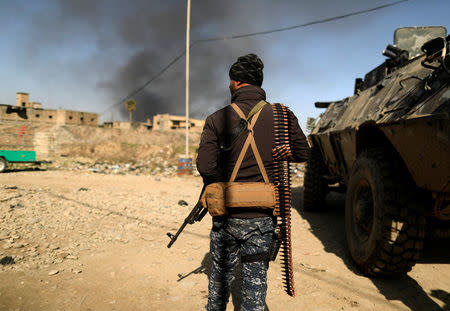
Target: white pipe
188,27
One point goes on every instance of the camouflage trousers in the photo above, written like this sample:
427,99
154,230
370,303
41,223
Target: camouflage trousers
231,239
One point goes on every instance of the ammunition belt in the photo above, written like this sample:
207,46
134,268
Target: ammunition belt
282,154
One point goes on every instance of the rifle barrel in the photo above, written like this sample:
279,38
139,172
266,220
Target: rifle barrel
196,214
172,237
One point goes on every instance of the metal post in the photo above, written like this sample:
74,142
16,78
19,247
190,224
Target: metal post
188,27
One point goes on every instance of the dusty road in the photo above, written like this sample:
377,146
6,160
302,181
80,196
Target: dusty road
84,241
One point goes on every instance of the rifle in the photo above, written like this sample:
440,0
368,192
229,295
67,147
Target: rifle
197,214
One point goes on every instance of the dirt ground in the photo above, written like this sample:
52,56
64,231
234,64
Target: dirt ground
87,241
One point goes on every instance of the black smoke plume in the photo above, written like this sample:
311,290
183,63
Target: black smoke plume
158,34
135,39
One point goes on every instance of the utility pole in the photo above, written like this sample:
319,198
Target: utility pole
188,27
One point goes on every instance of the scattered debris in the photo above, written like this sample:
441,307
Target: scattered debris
183,203
11,188
115,167
53,272
18,205
83,189
63,255
313,269
14,197
7,260
34,220
82,300
156,166
353,303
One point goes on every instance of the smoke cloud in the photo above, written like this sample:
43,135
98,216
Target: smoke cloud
128,42
158,35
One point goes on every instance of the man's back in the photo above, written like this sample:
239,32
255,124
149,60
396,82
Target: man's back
219,168
216,165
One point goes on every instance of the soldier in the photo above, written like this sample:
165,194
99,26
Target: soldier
244,234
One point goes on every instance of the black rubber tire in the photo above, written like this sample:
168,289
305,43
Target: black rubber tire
315,186
2,165
385,227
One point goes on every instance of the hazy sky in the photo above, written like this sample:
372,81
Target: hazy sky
87,54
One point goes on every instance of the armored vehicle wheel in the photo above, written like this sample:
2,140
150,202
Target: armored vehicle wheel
2,164
384,231
315,186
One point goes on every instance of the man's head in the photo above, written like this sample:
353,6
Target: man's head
248,69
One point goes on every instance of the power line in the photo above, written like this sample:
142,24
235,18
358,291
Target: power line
320,21
253,34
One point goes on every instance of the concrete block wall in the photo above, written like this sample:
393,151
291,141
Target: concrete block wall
16,136
45,143
28,136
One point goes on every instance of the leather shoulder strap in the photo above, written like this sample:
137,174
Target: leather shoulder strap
257,108
250,141
238,111
260,105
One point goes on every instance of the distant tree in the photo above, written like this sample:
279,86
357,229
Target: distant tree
310,124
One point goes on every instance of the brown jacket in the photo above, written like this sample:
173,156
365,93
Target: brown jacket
215,165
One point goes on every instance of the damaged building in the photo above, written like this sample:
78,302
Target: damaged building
26,110
30,111
167,122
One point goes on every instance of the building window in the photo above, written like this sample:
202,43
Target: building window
24,104
92,119
50,117
81,119
70,117
37,115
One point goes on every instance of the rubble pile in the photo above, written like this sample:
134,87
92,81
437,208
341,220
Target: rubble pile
157,166
139,168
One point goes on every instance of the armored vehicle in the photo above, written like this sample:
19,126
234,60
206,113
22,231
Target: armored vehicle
388,147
